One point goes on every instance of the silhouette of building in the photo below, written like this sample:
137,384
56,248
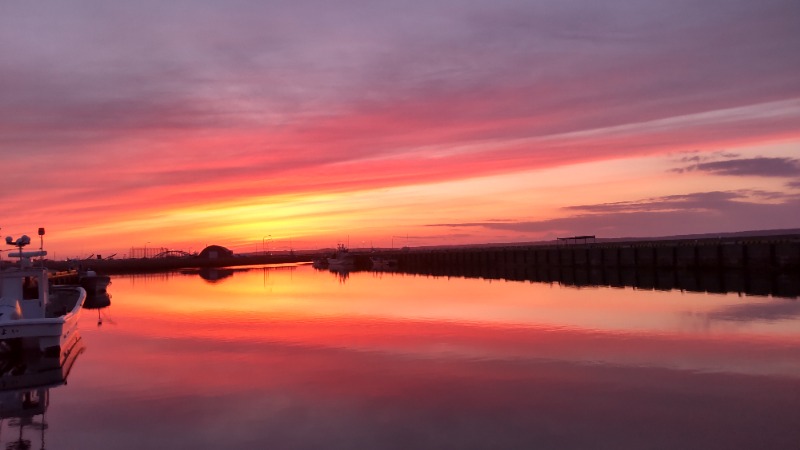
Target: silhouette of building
215,251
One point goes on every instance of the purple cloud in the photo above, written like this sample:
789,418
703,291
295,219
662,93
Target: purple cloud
702,212
153,65
760,166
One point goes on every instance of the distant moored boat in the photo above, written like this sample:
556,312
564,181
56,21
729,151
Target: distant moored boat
342,259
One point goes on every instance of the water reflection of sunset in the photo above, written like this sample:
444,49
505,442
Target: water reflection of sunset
300,293
471,319
292,357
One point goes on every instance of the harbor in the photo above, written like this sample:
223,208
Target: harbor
768,252
427,225
754,265
360,335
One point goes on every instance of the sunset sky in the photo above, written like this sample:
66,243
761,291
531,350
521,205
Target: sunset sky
303,124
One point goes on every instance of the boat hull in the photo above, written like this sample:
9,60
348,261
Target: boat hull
95,283
341,264
46,334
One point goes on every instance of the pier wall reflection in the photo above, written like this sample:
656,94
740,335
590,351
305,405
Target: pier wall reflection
720,281
763,266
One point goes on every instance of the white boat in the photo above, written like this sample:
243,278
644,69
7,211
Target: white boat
33,313
341,260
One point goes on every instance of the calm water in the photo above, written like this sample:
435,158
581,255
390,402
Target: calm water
297,358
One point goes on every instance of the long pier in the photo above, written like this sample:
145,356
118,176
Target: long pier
768,253
753,266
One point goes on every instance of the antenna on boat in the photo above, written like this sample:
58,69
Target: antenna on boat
19,242
24,257
41,245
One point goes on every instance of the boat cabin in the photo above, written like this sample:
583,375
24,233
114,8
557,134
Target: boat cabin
25,288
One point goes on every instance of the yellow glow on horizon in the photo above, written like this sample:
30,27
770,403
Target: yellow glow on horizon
375,215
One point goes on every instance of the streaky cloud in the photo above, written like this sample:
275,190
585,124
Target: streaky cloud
759,166
702,212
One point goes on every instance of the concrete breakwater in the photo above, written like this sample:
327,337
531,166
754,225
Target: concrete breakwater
763,266
781,252
742,281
